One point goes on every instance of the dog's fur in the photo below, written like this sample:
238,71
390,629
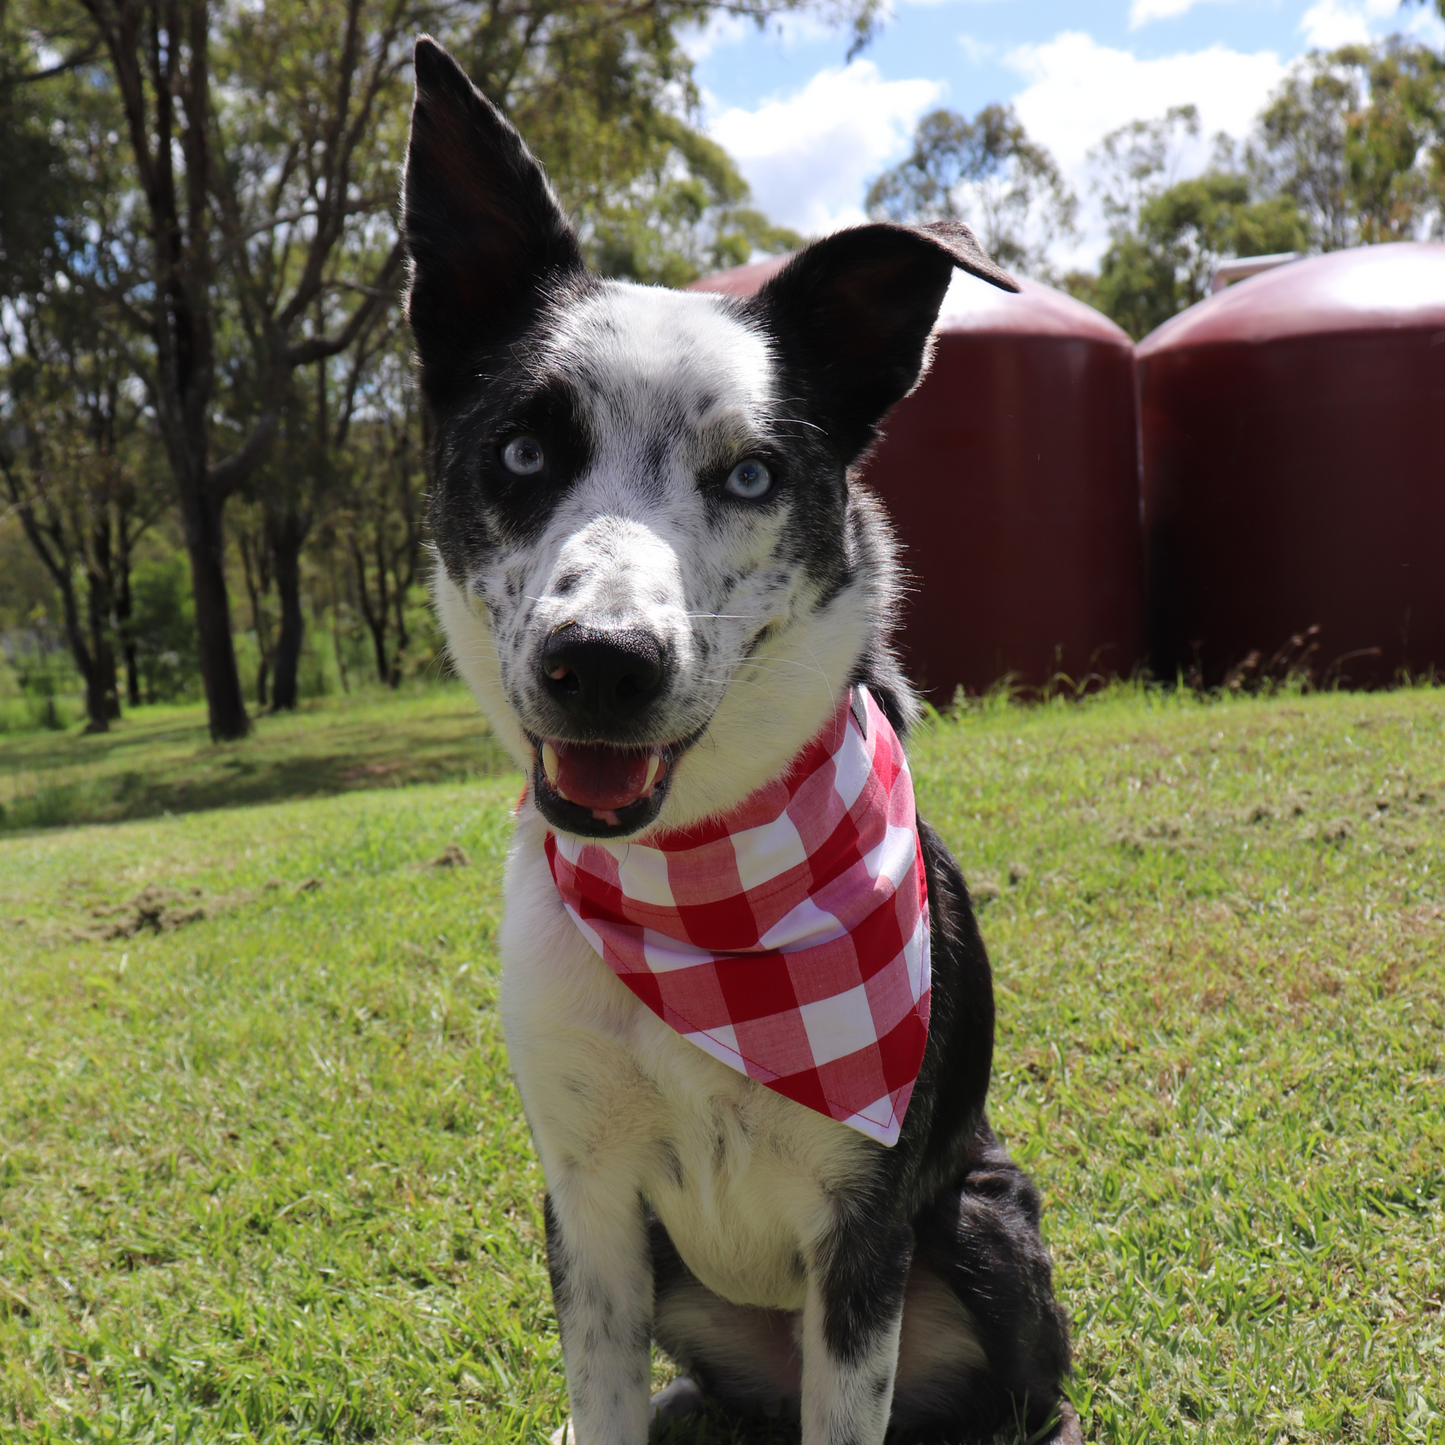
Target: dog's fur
782,1259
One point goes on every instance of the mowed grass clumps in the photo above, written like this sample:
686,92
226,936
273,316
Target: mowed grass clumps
265,1176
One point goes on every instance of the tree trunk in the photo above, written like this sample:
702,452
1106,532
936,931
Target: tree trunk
287,531
124,630
58,559
165,91
375,617
201,515
399,602
97,713
102,705
336,622
96,710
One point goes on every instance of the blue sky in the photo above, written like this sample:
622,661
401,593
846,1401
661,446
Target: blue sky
809,132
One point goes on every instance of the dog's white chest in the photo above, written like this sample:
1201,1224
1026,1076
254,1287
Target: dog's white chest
618,1101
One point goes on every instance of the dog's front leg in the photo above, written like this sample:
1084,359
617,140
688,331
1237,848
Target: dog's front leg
601,1267
851,1321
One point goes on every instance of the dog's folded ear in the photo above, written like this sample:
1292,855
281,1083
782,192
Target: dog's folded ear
852,316
484,232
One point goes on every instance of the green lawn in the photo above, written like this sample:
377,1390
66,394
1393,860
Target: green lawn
160,759
263,1174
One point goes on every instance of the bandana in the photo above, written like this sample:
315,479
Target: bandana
788,939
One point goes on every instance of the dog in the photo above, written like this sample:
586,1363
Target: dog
672,599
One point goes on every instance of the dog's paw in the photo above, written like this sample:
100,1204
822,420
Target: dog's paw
1068,1430
678,1401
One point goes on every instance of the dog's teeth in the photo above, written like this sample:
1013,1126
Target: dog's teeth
654,766
551,763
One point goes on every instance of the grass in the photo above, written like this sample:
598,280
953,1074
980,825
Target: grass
263,1174
160,759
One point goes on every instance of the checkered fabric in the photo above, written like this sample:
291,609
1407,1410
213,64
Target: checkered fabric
788,939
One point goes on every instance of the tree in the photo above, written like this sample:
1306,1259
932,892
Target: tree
374,533
602,90
1149,274
266,141
1349,151
1357,138
76,469
681,220
1168,236
249,202
1134,163
985,171
77,459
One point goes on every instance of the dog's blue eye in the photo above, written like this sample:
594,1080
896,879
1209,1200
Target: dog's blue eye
750,479
522,456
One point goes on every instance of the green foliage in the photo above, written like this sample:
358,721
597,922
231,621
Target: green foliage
1183,233
37,690
264,1175
222,214
164,629
682,220
987,172
603,93
1357,137
36,188
1349,151
1168,235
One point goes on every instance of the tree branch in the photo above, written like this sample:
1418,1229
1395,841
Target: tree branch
225,476
318,348
73,61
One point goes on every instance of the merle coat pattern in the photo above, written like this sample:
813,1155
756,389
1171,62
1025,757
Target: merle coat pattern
603,580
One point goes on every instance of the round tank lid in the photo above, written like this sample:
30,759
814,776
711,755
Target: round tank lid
1036,310
741,280
1368,288
969,305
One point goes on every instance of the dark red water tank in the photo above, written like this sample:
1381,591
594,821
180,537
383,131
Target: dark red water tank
1012,476
1294,468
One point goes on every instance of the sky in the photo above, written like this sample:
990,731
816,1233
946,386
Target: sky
809,132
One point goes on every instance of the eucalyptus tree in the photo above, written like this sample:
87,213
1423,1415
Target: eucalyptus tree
988,172
1356,136
264,142
76,457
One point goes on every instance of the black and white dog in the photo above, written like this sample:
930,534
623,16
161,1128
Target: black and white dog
659,576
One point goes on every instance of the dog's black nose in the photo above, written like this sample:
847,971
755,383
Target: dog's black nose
603,678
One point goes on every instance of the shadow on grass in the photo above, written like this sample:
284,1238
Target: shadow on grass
164,762
716,1426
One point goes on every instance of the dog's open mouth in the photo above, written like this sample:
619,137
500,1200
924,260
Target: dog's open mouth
598,790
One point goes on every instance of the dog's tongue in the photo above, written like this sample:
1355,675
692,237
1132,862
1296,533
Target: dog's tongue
599,777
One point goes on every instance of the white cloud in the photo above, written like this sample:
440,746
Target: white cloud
1141,12
720,31
1426,26
786,32
809,156
1078,91
977,51
1331,23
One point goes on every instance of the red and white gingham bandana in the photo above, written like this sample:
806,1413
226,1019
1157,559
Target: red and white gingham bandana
788,939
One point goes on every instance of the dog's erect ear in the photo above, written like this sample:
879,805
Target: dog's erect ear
484,232
853,313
